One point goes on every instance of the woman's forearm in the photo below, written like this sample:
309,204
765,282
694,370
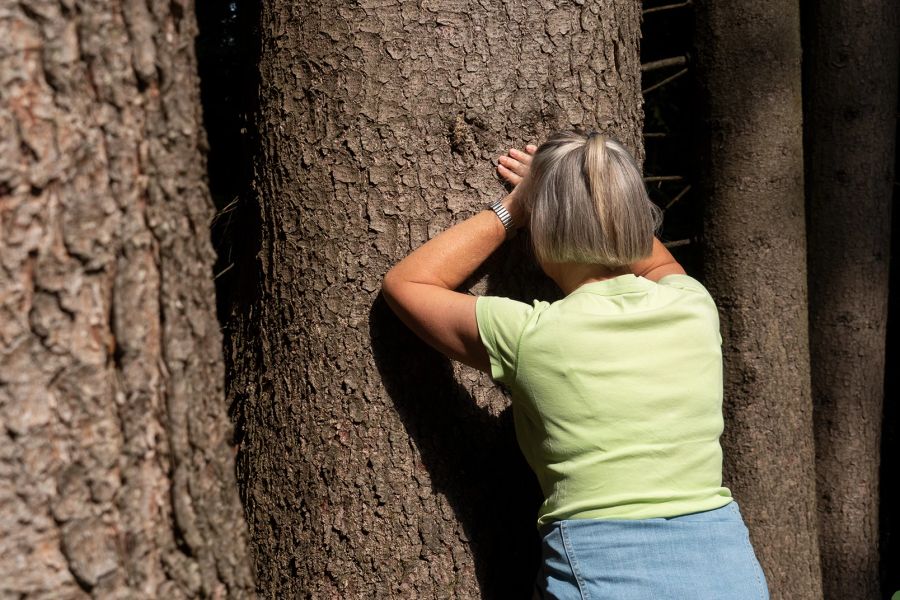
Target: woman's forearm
658,265
451,257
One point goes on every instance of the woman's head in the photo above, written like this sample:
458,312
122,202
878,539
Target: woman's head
587,202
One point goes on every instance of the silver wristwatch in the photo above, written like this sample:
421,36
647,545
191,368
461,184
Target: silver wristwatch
503,214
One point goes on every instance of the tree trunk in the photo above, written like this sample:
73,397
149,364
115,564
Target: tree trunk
850,102
748,59
118,476
372,465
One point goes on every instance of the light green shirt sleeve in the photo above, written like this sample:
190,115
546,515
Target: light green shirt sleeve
500,325
686,282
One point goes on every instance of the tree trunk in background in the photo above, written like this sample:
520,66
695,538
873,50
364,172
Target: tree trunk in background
373,467
118,477
748,59
850,101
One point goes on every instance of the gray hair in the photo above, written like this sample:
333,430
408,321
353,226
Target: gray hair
587,202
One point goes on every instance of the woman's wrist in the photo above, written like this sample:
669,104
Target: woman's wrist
512,204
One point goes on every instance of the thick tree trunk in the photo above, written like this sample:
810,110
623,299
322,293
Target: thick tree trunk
118,476
748,58
850,102
374,467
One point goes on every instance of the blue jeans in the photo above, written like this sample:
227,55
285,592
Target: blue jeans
698,556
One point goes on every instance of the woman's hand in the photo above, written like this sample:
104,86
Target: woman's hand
513,167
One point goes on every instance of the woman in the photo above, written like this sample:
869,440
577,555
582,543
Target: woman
617,387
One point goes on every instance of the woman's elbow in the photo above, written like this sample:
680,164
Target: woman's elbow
389,287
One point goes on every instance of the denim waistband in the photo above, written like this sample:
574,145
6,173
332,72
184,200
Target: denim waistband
728,512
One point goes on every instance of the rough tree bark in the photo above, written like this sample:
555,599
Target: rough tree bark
748,75
373,467
118,476
850,98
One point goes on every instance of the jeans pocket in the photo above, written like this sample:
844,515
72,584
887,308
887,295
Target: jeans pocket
756,567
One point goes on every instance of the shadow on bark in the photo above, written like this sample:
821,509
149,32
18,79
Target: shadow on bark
471,455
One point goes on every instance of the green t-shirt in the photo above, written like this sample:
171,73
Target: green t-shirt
617,395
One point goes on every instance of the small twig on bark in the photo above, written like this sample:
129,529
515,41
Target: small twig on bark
678,197
655,9
675,61
653,178
664,81
223,271
677,243
227,208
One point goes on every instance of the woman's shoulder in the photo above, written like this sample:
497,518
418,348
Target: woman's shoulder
682,281
514,312
501,323
688,284
697,290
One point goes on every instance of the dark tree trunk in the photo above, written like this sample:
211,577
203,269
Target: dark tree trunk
372,466
748,58
117,464
850,101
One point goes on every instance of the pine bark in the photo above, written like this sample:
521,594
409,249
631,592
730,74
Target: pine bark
850,98
372,466
749,83
118,478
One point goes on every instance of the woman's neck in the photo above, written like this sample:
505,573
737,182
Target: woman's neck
571,276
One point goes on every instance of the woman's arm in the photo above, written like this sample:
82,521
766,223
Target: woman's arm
420,288
659,264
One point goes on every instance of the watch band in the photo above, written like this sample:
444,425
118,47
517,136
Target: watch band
503,214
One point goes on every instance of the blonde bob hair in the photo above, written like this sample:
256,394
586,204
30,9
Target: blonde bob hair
587,203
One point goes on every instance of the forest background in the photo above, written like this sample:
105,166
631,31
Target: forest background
201,390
